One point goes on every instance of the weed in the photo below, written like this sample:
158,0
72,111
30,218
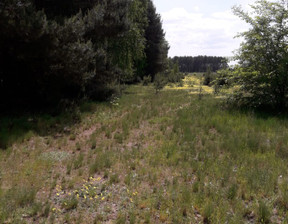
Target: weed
263,213
78,146
78,161
47,209
70,203
232,191
132,217
103,160
208,212
119,137
121,219
114,179
72,137
68,168
93,144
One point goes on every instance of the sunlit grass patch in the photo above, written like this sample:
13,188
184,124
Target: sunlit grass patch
192,83
55,156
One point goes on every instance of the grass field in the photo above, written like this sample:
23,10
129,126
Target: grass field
171,157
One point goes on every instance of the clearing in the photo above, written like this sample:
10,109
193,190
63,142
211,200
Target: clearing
173,157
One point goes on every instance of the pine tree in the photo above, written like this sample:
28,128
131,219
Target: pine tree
156,46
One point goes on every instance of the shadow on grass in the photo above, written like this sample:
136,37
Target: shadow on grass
20,127
261,113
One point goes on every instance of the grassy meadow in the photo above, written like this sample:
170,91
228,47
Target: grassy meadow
179,156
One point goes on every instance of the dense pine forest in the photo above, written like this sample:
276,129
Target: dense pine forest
200,63
54,51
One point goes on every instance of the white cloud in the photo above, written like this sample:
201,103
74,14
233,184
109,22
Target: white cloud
194,33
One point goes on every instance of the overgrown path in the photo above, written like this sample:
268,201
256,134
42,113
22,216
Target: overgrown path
146,158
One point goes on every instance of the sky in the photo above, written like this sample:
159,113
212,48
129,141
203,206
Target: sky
202,27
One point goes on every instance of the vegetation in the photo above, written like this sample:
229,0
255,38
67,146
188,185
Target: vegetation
155,158
262,74
52,54
180,155
200,63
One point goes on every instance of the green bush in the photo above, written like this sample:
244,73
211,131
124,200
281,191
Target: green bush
159,82
146,80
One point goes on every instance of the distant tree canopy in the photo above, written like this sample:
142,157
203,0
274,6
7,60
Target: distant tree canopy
262,74
56,50
200,63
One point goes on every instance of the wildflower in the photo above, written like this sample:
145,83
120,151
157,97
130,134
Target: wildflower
84,196
91,198
77,195
96,197
57,194
69,194
131,199
53,209
102,198
65,203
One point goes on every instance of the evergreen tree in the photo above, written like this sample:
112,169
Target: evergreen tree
156,46
84,48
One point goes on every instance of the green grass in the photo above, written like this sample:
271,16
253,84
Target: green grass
146,158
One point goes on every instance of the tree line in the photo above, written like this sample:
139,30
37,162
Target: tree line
200,63
52,51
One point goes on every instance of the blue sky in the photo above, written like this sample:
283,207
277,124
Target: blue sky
204,27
